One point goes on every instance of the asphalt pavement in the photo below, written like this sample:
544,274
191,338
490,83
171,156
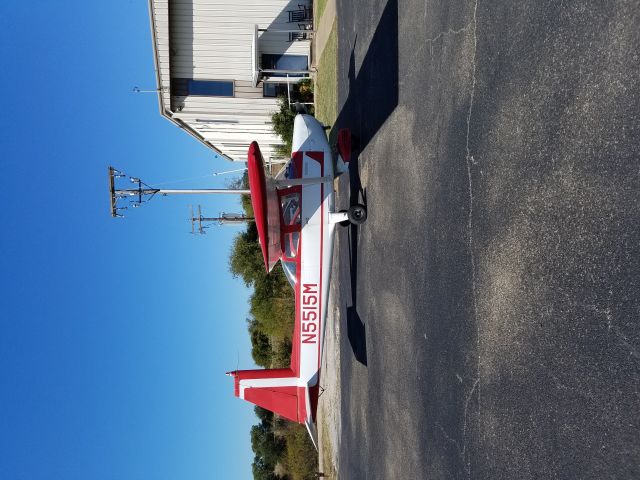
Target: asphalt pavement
490,304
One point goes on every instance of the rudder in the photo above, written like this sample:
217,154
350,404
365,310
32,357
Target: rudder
273,389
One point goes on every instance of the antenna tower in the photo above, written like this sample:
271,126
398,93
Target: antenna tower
122,198
197,221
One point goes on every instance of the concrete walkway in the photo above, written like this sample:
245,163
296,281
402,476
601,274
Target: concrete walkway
323,30
329,403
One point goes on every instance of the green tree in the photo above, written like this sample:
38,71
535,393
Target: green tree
274,315
246,259
266,445
281,353
261,350
263,471
265,416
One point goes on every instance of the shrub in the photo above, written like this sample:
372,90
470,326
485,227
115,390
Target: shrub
282,120
305,91
282,123
301,456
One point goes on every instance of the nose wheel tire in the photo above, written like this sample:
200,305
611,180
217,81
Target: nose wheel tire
357,214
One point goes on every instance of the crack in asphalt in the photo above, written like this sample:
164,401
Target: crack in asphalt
469,162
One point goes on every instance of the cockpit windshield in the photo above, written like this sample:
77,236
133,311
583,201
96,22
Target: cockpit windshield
291,169
290,211
290,272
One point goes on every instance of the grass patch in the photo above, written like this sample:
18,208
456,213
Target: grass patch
319,10
326,92
327,452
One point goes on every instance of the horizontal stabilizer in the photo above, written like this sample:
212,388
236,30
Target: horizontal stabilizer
277,390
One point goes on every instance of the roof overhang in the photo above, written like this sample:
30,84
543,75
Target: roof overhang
163,87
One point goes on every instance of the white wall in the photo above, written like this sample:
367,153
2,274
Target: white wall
211,40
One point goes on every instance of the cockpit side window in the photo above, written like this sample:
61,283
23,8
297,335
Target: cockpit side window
290,245
290,226
290,272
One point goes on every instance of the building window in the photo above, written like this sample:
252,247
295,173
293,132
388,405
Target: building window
274,89
270,89
182,87
295,63
284,62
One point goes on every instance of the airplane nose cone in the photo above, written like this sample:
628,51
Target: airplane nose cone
307,131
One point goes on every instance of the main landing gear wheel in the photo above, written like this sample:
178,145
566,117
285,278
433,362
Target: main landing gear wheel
357,214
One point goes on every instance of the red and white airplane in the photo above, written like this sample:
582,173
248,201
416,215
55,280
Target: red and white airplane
296,219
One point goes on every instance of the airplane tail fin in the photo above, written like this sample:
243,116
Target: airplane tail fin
277,390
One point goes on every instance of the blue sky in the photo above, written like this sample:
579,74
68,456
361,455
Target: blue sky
114,333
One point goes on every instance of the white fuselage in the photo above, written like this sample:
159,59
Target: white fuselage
316,243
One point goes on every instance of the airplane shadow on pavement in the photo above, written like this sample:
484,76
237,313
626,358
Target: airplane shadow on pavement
372,94
371,97
356,330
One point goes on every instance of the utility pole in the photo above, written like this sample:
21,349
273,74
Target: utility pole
222,219
143,193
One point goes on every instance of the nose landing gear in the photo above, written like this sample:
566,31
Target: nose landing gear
357,214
